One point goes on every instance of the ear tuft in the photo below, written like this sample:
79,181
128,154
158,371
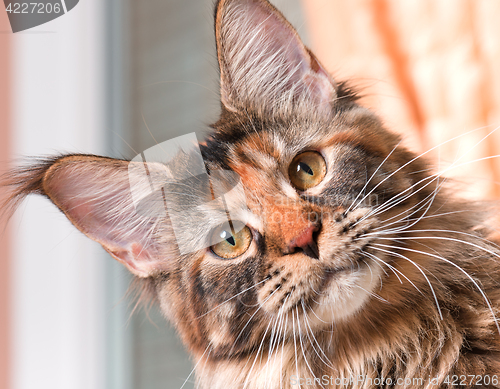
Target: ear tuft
263,63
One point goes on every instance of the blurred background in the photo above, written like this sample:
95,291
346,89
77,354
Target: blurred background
115,77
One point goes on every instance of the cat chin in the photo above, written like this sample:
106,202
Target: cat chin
347,293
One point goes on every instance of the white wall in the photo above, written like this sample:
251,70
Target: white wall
57,273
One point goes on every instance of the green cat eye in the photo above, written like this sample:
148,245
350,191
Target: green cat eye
307,170
233,244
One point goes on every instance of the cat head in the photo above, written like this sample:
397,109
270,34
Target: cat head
319,175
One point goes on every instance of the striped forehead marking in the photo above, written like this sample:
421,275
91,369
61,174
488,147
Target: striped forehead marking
369,141
256,160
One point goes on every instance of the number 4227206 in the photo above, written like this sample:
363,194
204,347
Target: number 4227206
34,8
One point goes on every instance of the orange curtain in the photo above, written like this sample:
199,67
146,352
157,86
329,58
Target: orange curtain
429,68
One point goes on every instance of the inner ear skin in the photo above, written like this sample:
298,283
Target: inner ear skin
262,61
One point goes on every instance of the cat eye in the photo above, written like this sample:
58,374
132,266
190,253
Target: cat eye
233,244
307,170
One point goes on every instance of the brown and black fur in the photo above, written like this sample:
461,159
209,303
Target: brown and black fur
422,255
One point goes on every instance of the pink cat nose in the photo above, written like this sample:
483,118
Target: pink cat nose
305,241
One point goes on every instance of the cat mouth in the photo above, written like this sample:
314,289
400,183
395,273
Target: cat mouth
331,276
332,280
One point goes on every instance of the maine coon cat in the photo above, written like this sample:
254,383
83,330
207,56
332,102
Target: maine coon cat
346,264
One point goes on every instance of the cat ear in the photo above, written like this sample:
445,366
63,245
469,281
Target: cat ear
94,193
263,63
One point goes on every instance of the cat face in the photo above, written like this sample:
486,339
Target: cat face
311,190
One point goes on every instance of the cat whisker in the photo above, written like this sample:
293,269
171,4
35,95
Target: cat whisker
386,206
396,200
444,214
283,346
259,350
420,171
428,151
302,347
487,301
497,255
317,317
314,290
381,267
418,268
251,317
401,168
311,332
352,206
373,294
426,202
468,163
276,329
195,366
394,270
390,231
295,345
236,295
370,269
270,347
274,332
409,222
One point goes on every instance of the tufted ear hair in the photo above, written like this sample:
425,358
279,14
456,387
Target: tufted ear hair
95,195
263,63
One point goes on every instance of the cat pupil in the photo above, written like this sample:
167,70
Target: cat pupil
228,237
305,167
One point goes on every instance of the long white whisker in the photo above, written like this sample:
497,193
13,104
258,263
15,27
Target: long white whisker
463,271
449,239
426,152
394,270
302,347
310,331
396,200
414,264
369,180
256,356
283,345
377,229
276,331
390,204
373,294
251,317
236,295
426,202
194,368
295,346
